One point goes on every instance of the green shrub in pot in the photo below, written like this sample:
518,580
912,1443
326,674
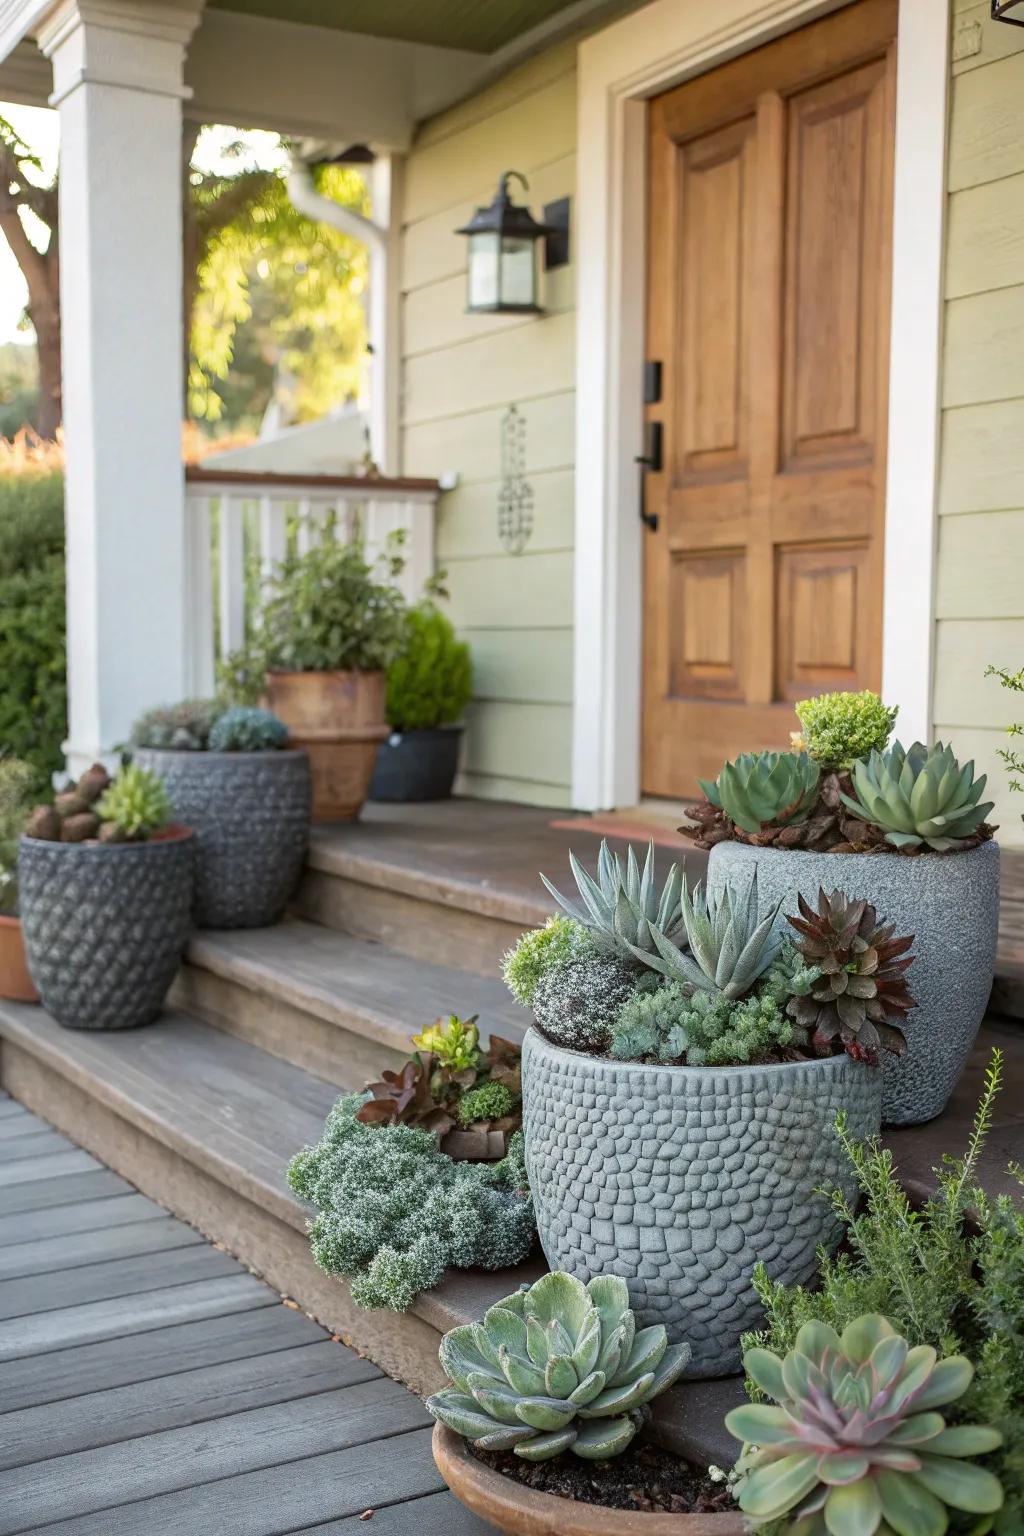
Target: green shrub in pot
234,778
18,781
429,685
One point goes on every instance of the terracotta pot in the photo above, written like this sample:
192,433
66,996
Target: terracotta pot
523,1511
339,718
15,981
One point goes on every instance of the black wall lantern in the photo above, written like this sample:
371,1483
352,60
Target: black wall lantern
503,240
1001,12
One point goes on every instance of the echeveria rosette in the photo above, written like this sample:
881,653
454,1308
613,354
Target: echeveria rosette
920,797
765,789
561,1366
855,1446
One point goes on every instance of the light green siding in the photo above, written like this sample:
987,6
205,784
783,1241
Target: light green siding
460,374
980,586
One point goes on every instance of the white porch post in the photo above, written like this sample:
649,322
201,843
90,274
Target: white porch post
117,71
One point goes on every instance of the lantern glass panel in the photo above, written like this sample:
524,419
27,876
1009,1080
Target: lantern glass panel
484,250
518,272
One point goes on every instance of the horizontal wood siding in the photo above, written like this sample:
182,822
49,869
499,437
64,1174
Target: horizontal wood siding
980,587
460,374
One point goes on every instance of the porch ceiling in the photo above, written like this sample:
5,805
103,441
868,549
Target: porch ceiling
466,24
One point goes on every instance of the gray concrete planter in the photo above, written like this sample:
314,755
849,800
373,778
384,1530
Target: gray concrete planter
250,812
105,924
950,902
680,1178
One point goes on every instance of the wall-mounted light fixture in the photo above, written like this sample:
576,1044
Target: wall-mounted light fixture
1001,12
503,240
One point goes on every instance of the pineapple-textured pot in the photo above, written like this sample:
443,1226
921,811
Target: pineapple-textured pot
250,812
680,1179
15,981
105,925
338,717
949,902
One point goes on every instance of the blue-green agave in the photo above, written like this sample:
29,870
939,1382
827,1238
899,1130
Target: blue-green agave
620,908
762,788
855,1446
730,945
920,796
561,1366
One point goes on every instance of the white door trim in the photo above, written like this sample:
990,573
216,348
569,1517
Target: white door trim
619,68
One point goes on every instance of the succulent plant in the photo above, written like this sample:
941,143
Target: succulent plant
247,729
74,816
491,1101
537,950
765,788
620,908
183,727
560,1366
840,727
730,946
861,996
920,798
432,1086
454,1041
135,805
577,1000
855,1445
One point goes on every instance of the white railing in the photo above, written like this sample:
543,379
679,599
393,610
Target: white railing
241,523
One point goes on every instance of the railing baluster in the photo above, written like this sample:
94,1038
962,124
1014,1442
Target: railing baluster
232,576
272,536
304,541
199,636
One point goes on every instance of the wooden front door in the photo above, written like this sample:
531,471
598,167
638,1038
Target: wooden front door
769,236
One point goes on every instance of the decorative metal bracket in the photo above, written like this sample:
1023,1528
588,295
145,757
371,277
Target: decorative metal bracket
1001,9
515,495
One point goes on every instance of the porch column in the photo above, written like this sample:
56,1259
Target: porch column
118,85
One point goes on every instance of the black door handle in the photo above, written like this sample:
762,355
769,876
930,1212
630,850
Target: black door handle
651,460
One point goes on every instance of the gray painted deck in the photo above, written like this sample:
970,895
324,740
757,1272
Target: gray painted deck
150,1384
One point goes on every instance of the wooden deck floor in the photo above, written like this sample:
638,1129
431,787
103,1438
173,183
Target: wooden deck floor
150,1384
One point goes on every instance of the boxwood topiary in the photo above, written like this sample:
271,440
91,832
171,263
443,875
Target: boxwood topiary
430,682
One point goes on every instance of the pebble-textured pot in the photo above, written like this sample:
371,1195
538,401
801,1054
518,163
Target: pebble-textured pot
680,1178
949,902
417,765
250,812
105,925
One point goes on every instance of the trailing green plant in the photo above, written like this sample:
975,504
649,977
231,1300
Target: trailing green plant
920,798
840,727
762,789
577,999
133,806
327,610
731,946
538,950
430,681
1014,760
621,908
853,1441
17,783
248,729
394,1212
558,1367
450,1065
860,996
33,682
949,1275
183,727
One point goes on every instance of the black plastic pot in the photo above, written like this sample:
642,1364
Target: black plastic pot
417,765
250,812
105,924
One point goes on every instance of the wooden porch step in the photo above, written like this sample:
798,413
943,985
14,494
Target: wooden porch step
341,1007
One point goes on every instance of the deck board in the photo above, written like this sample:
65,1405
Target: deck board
152,1385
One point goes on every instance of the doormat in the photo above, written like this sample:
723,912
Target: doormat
623,827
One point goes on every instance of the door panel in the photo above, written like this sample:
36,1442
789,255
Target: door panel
770,203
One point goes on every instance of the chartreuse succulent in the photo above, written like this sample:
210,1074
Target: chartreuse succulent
730,947
621,907
919,798
561,1366
454,1041
853,1443
765,788
135,805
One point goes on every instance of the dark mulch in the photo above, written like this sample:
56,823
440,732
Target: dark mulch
643,1478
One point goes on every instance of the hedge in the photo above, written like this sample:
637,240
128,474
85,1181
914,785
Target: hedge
33,684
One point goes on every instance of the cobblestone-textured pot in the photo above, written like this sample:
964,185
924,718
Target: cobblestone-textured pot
105,925
513,1507
680,1178
417,765
250,812
949,902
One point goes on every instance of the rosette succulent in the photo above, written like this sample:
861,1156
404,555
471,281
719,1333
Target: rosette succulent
248,729
560,1366
855,1445
730,946
765,788
135,805
622,906
919,798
